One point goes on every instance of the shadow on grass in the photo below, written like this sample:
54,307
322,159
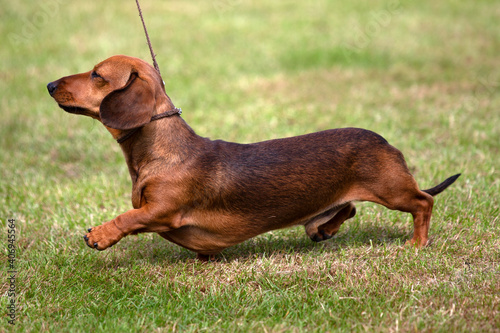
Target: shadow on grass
158,251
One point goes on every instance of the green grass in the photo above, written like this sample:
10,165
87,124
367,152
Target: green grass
424,74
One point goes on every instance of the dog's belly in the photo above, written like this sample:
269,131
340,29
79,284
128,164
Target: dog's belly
210,233
198,240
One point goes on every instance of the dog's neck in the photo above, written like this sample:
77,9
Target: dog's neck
170,140
171,112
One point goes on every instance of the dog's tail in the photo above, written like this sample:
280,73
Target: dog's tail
443,186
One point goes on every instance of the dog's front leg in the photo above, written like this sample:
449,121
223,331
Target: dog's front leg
131,222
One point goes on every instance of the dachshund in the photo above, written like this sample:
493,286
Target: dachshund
208,195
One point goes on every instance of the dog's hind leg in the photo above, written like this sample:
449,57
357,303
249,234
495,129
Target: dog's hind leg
399,191
330,228
327,224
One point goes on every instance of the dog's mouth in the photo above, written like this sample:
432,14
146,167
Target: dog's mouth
75,110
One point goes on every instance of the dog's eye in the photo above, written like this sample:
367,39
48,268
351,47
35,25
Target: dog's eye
95,75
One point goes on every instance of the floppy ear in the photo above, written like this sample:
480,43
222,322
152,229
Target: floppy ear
129,107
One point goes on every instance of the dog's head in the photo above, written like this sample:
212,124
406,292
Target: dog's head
122,92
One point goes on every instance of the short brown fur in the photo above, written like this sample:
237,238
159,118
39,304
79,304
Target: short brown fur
208,195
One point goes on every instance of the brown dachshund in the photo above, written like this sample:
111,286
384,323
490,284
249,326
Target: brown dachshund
208,195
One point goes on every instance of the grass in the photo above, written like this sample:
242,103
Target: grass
423,74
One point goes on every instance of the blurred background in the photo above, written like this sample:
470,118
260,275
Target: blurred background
423,74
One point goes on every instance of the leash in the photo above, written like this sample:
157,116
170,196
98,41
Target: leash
165,114
155,64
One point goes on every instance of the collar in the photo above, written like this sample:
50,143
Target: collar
165,114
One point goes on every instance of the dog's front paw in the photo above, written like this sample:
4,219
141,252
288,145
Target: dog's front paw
103,236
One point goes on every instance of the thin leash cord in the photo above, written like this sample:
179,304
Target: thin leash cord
155,64
169,113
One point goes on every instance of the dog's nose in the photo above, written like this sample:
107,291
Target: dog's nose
51,87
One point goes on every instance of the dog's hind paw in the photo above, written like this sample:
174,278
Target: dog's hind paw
320,236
